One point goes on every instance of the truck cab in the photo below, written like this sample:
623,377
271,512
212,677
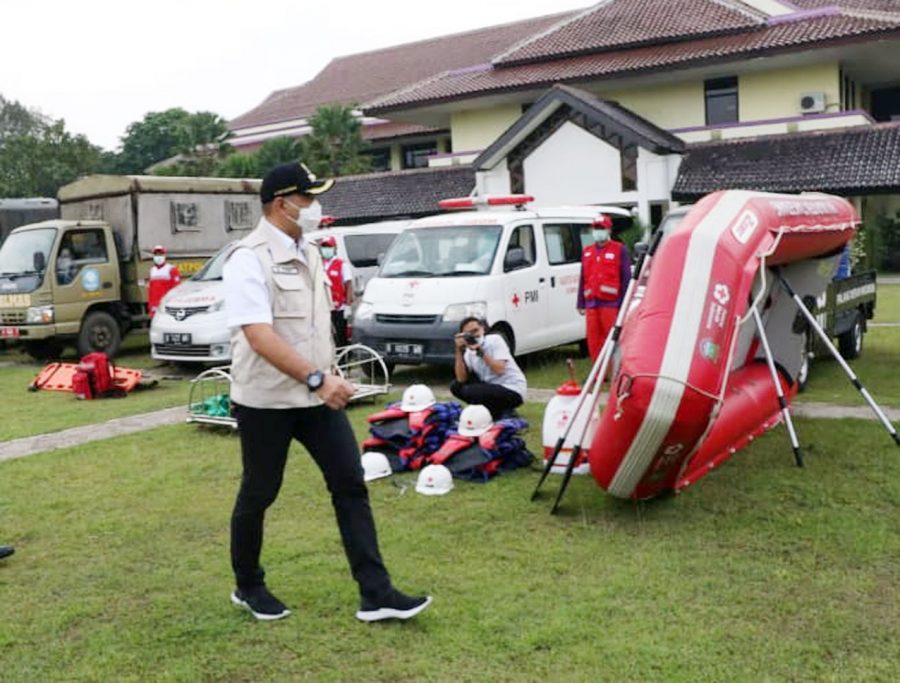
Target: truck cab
54,274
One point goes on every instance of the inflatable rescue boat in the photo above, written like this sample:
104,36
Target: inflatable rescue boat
694,377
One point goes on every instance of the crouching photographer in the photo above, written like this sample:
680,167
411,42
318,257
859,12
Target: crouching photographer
485,371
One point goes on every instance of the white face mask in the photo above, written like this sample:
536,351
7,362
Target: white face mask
308,218
600,235
159,259
327,252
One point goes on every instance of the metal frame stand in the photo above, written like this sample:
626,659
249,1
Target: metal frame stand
782,401
854,380
594,382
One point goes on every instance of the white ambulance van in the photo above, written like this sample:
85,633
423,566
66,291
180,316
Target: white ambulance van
494,258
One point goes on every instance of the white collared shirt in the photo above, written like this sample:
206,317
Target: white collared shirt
246,297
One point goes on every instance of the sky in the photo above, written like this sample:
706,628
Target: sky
102,64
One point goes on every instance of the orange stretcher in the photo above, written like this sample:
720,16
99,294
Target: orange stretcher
58,377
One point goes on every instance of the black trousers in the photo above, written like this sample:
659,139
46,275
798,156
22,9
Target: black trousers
495,398
339,328
265,439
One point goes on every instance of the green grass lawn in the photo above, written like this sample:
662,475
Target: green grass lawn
762,571
27,413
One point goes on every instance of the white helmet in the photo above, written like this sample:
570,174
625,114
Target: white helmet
475,421
416,397
434,480
375,465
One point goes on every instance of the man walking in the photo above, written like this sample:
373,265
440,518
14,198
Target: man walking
283,388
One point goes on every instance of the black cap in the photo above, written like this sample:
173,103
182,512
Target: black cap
291,178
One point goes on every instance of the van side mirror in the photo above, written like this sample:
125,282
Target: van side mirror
40,261
514,258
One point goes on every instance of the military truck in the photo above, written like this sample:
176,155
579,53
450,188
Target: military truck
82,278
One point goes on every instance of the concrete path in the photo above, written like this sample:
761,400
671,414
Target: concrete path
19,448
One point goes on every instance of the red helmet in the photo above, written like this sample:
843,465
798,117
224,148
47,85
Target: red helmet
159,249
328,242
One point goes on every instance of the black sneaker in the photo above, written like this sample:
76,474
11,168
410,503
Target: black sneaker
394,605
260,602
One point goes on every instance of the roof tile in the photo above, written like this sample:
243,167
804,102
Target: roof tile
380,196
364,76
851,161
767,39
621,23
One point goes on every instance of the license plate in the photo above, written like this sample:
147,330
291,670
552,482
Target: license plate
9,331
177,338
408,350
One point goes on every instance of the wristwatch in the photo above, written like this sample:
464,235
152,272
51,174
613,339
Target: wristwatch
315,379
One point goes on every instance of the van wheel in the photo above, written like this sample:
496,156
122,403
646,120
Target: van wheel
850,343
504,331
99,332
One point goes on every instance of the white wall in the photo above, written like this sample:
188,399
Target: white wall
575,167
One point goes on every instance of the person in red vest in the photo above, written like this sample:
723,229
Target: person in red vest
605,274
341,278
163,277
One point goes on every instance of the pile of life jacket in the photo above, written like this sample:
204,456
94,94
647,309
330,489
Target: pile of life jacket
478,458
409,438
94,378
412,440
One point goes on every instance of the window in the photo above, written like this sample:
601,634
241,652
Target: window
721,100
185,217
886,104
379,158
416,156
77,249
363,250
521,238
629,168
564,242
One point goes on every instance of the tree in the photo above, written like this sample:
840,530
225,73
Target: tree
38,155
335,146
158,136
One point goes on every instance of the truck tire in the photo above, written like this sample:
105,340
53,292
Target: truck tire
44,349
850,343
99,332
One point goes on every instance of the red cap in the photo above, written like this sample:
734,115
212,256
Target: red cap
159,249
328,242
603,221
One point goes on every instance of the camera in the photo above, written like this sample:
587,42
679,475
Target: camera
470,338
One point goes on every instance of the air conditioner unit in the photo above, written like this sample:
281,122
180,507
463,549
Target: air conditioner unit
812,103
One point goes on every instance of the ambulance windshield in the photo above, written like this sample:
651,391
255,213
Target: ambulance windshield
447,251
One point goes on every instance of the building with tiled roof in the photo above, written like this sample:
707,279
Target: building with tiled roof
707,71
357,78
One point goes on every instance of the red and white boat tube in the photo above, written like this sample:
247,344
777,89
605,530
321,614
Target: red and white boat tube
682,361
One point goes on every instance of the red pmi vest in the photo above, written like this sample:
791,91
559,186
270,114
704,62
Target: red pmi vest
162,279
601,268
335,271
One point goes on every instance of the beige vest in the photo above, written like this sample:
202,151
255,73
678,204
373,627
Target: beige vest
301,315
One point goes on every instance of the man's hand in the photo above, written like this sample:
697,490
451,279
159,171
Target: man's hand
459,341
580,311
336,392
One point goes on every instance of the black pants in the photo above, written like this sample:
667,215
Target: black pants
495,398
265,438
339,328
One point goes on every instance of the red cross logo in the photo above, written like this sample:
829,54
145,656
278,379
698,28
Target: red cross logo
516,299
413,284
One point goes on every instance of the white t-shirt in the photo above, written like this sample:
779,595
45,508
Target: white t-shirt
495,346
246,297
